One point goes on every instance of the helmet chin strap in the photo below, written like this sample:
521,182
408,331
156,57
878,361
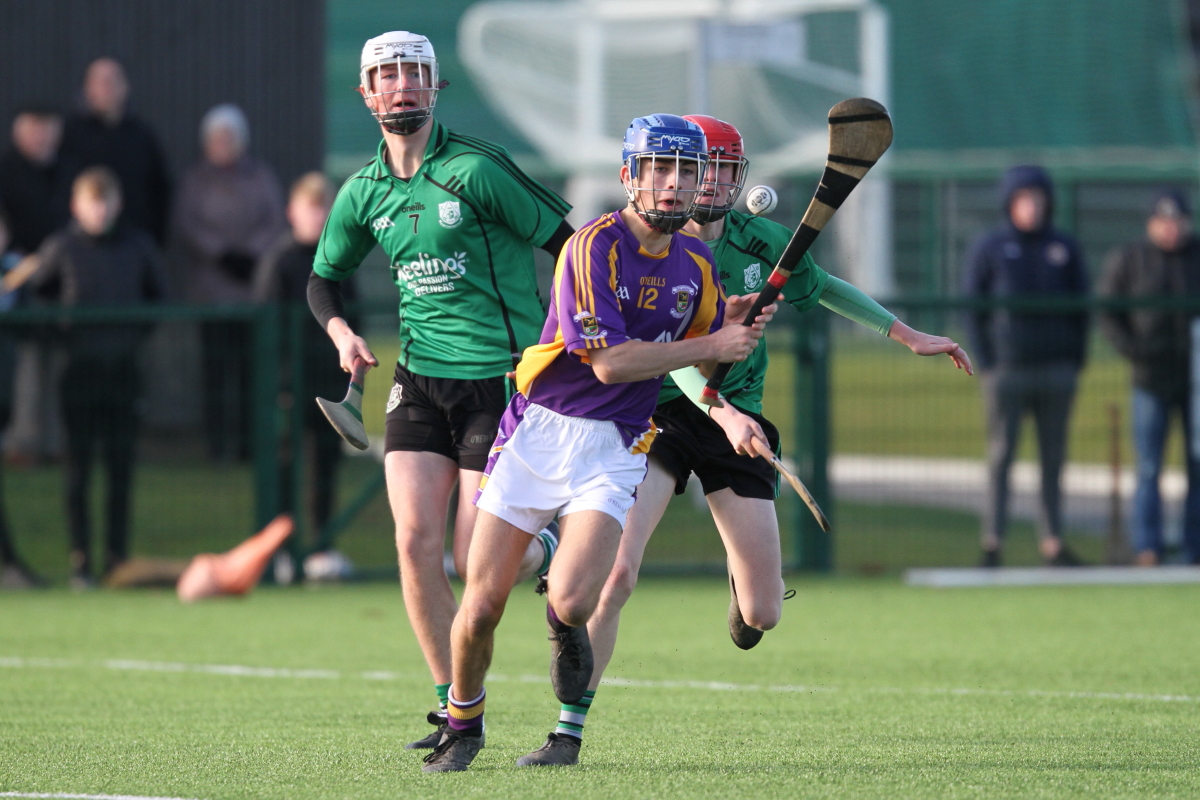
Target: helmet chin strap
409,121
663,223
703,215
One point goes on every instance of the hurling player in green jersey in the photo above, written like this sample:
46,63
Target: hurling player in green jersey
458,221
723,449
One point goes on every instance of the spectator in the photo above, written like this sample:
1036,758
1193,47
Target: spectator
1158,343
14,574
34,189
229,213
97,261
1029,361
282,277
108,135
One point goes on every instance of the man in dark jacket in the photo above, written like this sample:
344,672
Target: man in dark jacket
33,187
1159,343
1029,361
34,191
98,262
107,135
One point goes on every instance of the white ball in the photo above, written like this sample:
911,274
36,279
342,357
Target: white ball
761,200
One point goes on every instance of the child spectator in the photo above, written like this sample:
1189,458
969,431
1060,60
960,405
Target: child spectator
282,277
96,262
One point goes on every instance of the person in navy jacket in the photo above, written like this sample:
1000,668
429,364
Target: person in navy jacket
1029,360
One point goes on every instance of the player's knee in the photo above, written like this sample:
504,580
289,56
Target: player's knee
573,609
621,583
480,615
414,549
761,615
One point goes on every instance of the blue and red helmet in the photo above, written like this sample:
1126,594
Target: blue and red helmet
669,138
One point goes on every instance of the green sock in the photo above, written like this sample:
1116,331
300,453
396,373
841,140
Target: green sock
572,716
443,693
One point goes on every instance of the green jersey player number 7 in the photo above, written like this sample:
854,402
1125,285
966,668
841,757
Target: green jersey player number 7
458,221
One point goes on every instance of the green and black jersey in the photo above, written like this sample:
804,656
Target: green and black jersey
459,236
745,255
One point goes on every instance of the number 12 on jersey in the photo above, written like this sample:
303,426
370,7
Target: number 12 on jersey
646,298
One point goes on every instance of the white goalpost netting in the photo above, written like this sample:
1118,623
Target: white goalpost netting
569,76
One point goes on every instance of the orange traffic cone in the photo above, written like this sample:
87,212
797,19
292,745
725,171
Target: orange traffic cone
236,571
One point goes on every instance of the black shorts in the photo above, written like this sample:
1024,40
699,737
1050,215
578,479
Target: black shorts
450,416
691,442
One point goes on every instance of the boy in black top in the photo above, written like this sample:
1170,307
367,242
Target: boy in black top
282,277
96,262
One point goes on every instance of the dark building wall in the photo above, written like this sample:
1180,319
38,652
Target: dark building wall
182,57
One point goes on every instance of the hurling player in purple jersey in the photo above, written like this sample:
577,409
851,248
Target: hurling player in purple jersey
634,298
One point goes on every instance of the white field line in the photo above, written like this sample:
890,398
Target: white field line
923,475
618,682
86,796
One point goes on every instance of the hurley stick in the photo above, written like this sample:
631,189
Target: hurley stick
860,131
760,449
803,491
346,416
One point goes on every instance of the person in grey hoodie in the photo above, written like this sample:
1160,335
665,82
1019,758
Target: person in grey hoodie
1029,362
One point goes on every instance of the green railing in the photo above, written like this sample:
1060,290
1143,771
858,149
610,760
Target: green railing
819,344
801,401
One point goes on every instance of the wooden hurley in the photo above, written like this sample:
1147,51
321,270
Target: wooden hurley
860,131
803,491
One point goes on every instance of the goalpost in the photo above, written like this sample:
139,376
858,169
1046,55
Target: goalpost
570,75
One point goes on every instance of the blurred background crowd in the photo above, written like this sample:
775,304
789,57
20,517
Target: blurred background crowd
89,212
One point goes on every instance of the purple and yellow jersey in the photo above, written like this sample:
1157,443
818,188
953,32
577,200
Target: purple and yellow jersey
609,290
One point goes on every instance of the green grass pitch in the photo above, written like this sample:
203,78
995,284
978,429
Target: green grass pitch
867,689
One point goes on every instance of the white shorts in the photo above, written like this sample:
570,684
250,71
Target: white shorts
545,463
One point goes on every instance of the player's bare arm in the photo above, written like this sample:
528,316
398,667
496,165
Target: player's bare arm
639,361
924,344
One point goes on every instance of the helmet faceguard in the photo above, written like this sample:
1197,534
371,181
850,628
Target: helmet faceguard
724,150
651,144
399,72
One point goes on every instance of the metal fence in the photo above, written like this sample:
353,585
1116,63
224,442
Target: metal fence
894,445
891,445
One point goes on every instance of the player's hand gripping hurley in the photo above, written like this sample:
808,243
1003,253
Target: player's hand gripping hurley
346,416
860,131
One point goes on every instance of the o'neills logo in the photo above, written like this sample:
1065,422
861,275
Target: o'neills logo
429,275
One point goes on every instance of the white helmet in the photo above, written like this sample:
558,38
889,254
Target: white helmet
398,47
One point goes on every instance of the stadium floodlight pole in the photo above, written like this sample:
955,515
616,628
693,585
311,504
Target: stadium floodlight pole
860,131
346,416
